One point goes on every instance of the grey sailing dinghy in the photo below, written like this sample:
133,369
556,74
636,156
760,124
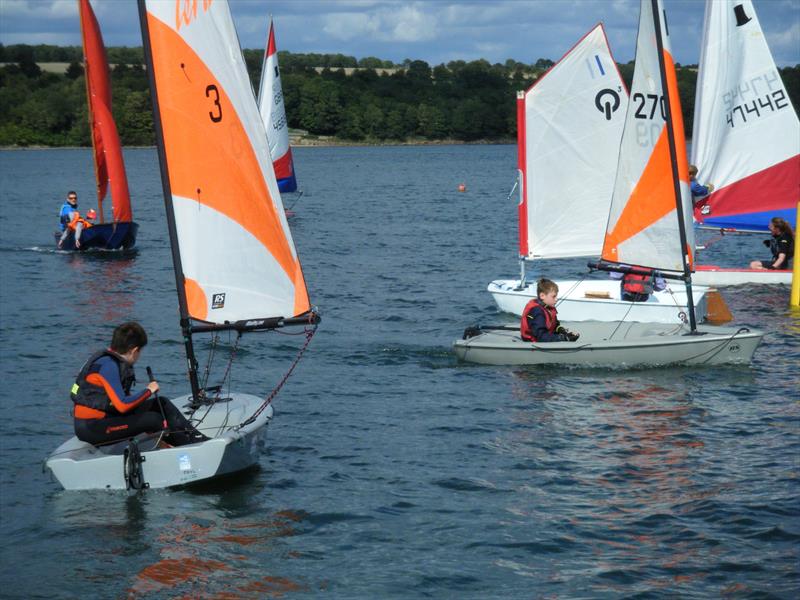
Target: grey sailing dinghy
235,263
649,227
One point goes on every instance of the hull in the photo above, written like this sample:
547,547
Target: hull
575,305
618,345
105,236
77,465
719,276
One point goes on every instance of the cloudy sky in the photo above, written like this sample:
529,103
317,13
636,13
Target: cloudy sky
435,31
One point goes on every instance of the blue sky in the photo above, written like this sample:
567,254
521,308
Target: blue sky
435,31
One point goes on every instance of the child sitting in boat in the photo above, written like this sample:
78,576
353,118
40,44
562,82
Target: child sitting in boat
540,317
105,408
77,224
781,244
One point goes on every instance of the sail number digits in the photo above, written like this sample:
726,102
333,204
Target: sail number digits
654,100
750,102
216,118
186,11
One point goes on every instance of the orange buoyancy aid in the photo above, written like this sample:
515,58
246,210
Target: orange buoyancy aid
77,218
550,319
638,284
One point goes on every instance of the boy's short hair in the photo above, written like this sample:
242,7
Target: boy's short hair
545,286
128,336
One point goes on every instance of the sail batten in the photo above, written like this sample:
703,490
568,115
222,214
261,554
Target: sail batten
108,160
569,125
236,259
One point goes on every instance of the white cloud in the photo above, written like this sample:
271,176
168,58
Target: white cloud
348,26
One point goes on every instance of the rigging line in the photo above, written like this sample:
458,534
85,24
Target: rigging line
299,195
309,334
211,353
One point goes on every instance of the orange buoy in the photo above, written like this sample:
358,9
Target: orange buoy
462,187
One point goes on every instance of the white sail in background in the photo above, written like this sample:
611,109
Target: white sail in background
569,127
236,251
273,114
746,138
643,227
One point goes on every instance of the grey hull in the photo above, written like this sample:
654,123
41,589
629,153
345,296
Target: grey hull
615,344
77,465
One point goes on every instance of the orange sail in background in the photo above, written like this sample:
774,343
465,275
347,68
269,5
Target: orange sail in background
109,165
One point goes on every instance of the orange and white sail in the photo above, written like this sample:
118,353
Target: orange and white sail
234,247
108,162
569,125
644,227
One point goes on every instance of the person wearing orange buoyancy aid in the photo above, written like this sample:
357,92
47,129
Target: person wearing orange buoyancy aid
77,224
105,408
540,317
636,287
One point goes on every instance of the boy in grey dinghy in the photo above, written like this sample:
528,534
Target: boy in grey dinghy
107,411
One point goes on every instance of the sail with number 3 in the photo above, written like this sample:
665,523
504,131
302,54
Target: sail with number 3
234,253
273,114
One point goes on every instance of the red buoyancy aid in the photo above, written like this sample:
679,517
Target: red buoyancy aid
638,284
550,319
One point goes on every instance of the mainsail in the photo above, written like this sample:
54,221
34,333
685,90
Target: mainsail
273,113
746,137
650,220
109,165
234,256
569,125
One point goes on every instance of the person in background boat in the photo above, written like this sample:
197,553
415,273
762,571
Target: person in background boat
699,192
637,288
70,205
781,244
77,224
540,317
105,408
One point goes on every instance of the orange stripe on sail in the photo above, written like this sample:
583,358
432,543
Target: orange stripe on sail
212,160
196,301
651,199
301,303
677,119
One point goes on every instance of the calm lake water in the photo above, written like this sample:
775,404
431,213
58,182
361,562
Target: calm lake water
392,471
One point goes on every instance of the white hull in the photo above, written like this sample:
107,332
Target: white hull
719,276
574,304
617,345
78,465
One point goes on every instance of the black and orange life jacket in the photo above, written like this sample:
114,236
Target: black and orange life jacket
550,319
85,394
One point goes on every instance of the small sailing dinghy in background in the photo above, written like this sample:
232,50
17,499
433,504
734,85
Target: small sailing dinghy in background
273,114
649,225
109,166
569,125
746,137
235,263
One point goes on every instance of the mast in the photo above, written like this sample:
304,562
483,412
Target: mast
522,208
687,273
185,322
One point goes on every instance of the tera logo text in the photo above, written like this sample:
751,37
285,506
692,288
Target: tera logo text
186,11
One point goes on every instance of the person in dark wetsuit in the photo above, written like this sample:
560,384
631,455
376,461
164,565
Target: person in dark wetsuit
540,318
105,408
781,244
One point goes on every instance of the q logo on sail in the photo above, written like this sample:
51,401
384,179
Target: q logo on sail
607,102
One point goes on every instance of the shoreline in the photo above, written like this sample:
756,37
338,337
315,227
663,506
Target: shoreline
314,143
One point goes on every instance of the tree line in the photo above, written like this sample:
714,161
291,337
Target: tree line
460,101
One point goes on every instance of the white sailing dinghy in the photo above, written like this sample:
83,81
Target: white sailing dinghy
235,264
273,114
746,137
569,125
649,225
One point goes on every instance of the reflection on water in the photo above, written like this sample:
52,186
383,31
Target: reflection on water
103,282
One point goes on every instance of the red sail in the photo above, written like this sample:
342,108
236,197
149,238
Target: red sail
109,165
